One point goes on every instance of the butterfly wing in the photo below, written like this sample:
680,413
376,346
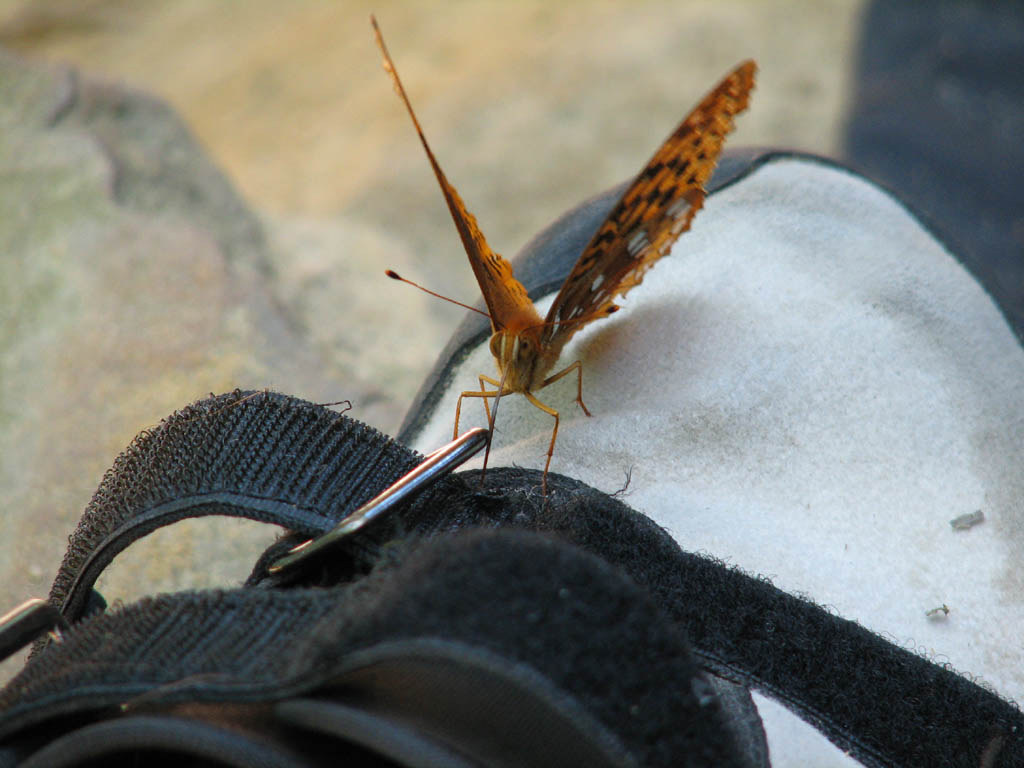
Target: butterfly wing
658,207
507,301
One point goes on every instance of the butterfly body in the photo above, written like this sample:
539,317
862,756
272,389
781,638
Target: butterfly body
640,229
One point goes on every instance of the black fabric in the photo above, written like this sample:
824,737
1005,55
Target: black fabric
527,600
743,720
593,600
938,116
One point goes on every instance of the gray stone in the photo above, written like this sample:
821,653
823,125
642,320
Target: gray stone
134,280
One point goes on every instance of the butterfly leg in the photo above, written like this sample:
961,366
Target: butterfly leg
578,367
482,393
554,435
487,408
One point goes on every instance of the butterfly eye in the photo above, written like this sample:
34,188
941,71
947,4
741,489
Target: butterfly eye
496,344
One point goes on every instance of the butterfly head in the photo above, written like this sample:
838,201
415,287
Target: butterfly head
520,358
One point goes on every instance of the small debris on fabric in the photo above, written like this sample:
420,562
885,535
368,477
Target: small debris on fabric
969,520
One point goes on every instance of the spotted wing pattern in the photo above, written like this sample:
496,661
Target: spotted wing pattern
658,207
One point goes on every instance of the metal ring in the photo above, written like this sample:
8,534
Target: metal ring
434,466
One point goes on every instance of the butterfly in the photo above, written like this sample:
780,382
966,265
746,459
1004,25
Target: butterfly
654,210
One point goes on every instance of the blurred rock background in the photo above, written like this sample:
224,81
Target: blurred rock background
149,259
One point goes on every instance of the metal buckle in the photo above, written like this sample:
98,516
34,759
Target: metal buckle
434,466
21,625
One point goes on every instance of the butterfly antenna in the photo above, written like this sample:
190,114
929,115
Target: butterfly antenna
395,276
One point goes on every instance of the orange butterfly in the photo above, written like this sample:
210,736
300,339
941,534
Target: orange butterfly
658,207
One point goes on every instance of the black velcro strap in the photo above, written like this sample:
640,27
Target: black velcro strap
262,456
564,631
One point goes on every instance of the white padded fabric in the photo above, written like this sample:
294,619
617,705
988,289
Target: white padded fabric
809,387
